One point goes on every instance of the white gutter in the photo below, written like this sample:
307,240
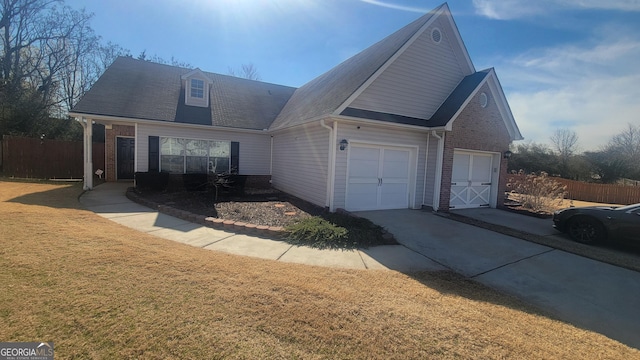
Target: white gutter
426,163
438,181
126,121
271,158
331,164
352,119
135,151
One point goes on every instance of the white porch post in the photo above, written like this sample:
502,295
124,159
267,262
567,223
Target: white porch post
88,153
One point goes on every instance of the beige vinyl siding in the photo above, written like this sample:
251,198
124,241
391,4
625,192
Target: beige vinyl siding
432,158
418,81
301,162
385,137
254,156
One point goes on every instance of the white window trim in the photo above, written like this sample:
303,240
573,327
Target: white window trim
196,74
184,160
191,88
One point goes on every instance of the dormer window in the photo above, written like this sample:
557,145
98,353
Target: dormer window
197,88
196,85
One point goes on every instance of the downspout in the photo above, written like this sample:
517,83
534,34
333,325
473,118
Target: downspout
438,180
135,151
271,159
426,163
333,132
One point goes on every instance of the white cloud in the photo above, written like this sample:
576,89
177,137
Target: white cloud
513,9
391,5
591,89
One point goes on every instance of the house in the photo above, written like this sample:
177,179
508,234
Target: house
406,123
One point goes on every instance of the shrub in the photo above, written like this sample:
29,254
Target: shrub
316,232
157,181
539,193
335,231
195,182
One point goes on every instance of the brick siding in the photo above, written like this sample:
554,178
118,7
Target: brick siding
110,148
476,128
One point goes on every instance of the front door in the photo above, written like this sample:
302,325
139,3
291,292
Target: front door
125,158
378,178
471,180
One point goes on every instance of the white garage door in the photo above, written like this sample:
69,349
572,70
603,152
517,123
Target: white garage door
378,178
471,180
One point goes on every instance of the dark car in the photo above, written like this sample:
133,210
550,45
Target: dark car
595,224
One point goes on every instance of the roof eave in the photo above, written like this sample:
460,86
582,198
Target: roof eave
108,119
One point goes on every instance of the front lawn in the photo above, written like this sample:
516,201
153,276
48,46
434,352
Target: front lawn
99,290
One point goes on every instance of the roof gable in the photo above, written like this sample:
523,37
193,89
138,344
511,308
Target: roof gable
334,91
467,90
420,76
326,93
197,73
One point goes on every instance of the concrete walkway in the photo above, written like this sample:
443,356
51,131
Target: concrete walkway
108,200
587,293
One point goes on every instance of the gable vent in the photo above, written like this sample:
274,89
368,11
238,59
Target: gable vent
436,35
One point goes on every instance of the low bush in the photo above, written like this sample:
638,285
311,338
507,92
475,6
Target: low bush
538,193
335,231
316,232
195,182
157,181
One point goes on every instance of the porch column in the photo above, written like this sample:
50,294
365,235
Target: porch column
88,153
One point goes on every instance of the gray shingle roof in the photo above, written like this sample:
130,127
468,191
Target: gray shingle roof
139,89
324,94
457,98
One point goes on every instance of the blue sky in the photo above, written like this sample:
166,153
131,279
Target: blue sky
562,63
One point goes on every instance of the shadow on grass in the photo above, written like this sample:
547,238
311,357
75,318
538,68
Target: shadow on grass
451,283
62,196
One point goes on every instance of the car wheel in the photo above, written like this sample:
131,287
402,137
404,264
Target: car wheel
586,230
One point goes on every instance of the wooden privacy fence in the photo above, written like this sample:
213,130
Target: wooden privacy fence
601,193
46,159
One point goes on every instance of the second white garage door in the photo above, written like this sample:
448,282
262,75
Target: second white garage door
471,180
378,178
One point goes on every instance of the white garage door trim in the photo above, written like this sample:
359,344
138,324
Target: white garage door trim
379,177
473,179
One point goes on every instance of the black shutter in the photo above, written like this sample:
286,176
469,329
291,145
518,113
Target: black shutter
235,154
154,154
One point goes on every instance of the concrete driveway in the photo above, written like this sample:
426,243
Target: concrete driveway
587,293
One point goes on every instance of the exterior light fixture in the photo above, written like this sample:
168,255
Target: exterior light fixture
343,144
507,154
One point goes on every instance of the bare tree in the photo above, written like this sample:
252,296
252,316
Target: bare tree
565,142
628,142
619,158
247,71
42,44
625,146
108,53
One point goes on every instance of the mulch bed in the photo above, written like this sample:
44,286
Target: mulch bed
260,207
